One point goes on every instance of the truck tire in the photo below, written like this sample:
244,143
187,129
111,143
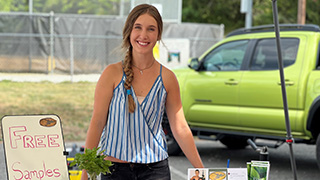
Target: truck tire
318,150
172,145
234,142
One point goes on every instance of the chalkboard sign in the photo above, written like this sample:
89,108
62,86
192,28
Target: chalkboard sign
34,147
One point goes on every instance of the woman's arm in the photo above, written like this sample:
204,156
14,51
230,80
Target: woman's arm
102,98
178,123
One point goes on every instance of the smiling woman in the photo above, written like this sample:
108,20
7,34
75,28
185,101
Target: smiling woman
130,100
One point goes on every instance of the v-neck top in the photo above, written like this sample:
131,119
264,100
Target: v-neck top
140,99
136,137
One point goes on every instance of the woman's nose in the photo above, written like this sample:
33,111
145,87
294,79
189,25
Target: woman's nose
143,34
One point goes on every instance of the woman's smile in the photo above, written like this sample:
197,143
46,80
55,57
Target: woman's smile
143,43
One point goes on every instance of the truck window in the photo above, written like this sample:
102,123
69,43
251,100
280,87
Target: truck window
227,57
318,58
265,55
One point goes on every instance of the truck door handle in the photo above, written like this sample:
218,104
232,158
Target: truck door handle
231,82
287,82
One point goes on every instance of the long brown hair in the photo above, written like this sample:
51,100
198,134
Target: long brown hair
126,45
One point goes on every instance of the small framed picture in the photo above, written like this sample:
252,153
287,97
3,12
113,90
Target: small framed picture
217,173
197,174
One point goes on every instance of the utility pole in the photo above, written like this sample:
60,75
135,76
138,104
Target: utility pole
246,7
301,12
30,6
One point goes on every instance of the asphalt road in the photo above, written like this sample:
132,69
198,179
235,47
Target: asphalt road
215,155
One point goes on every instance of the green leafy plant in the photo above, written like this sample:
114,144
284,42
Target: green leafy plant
93,162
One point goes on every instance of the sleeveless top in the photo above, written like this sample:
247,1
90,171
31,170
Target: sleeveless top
136,137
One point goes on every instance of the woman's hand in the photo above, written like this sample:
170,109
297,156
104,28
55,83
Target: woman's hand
84,175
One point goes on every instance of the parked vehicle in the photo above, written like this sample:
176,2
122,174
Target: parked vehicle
74,172
232,92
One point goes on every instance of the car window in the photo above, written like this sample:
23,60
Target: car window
318,58
265,55
227,57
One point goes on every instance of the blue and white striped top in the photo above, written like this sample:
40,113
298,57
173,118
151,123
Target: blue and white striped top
136,137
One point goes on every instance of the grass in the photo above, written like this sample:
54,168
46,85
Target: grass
72,102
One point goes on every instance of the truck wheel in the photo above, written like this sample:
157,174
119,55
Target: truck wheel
173,147
318,150
234,142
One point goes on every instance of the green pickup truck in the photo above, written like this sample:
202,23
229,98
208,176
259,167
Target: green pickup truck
232,93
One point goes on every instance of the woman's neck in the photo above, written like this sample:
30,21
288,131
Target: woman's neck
142,60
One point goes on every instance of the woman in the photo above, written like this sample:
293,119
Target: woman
130,99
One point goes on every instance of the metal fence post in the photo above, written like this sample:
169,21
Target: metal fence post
30,40
71,57
221,32
51,63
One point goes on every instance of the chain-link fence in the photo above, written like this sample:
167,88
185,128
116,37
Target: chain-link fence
85,54
75,54
55,43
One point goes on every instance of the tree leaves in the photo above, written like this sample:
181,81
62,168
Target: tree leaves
97,7
198,11
228,12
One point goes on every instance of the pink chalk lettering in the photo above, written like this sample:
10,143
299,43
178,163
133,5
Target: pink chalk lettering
52,140
14,137
33,173
39,141
27,175
41,174
20,174
27,141
49,173
17,171
56,172
19,137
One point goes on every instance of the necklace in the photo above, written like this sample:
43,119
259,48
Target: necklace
141,70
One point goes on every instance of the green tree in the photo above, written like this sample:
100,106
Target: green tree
14,5
5,5
213,12
313,12
228,12
96,7
262,12
225,12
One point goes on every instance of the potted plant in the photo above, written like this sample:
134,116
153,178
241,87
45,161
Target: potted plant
93,162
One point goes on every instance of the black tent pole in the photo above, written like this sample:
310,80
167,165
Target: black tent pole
289,139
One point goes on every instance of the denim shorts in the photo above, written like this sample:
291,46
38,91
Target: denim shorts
136,171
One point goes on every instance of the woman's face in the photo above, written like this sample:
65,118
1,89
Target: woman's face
144,34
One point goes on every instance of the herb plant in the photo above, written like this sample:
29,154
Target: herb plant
93,162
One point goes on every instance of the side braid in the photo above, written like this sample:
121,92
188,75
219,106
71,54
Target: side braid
127,67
